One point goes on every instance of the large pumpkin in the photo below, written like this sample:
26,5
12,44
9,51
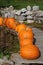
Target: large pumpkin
24,34
1,21
30,52
25,42
20,27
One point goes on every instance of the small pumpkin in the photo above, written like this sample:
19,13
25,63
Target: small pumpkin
5,21
16,23
28,28
1,21
20,27
10,22
30,52
24,34
25,42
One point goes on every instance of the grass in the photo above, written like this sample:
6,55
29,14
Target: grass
22,4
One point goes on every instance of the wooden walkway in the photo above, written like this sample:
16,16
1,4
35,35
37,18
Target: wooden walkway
39,42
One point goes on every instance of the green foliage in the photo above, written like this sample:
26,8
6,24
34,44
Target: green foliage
18,4
1,54
7,54
9,42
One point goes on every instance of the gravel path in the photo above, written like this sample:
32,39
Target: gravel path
39,40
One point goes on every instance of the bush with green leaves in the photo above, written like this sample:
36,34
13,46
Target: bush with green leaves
9,42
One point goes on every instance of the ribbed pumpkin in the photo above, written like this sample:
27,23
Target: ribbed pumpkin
5,21
10,22
1,21
30,52
20,27
16,23
25,42
24,34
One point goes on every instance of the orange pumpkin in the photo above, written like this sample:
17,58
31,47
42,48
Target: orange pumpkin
5,21
20,27
25,42
1,21
30,52
10,22
16,23
24,34
28,28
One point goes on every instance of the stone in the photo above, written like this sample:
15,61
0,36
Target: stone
39,13
29,17
39,16
3,13
6,15
9,14
6,9
5,58
29,8
10,8
12,14
20,17
1,61
8,62
29,13
16,16
23,14
35,8
30,21
21,21
14,11
23,10
18,12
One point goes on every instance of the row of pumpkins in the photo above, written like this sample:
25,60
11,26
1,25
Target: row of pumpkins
26,38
